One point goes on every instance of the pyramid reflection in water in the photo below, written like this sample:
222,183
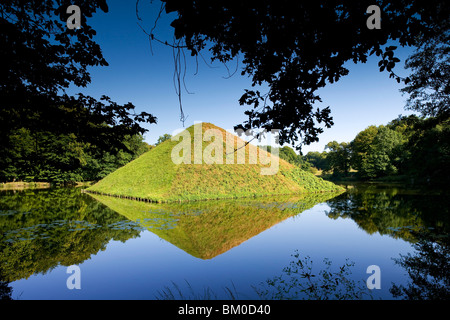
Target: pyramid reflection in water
206,229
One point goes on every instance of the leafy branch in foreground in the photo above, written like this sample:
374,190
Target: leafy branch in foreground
300,282
290,50
175,293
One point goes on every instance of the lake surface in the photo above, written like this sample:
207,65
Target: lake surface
209,249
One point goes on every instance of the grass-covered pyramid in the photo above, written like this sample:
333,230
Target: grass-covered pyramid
158,175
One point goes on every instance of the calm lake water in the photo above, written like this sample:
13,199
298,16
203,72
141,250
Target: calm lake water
133,250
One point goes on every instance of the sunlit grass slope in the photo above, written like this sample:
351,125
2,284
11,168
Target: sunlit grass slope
205,229
155,177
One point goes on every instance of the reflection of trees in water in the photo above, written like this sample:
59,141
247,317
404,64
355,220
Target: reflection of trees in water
47,228
391,211
428,269
61,226
89,226
412,216
5,290
300,280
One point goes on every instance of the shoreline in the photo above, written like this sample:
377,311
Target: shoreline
21,185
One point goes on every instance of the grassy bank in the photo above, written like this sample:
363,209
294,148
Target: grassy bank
20,185
398,179
24,185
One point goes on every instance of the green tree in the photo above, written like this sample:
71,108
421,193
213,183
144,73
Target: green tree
318,160
101,163
378,151
361,147
428,85
288,154
429,148
44,156
338,157
163,138
412,146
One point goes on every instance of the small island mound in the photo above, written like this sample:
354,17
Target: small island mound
206,162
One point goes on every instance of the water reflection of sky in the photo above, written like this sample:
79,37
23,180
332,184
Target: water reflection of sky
140,267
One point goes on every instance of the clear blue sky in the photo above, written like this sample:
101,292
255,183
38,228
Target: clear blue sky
364,97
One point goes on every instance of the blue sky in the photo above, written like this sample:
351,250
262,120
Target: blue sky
364,97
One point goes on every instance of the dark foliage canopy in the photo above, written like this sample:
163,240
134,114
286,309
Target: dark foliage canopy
43,58
297,47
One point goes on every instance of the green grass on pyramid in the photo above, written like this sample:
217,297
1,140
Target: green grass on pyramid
155,177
